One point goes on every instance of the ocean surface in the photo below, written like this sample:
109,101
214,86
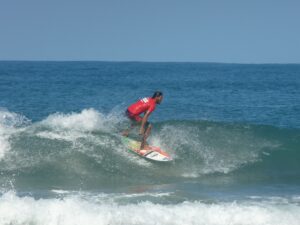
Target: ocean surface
232,129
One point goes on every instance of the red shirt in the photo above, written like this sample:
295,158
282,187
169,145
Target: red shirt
142,106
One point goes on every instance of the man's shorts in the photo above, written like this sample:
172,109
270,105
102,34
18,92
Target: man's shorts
131,116
136,119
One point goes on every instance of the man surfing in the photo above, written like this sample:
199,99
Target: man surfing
147,106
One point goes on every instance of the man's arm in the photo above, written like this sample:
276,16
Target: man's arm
145,119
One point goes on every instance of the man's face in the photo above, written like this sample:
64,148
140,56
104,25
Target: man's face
159,99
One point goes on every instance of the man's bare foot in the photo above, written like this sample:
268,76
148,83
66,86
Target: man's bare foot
145,147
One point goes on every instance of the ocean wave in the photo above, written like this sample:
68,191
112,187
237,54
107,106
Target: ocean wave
85,149
75,210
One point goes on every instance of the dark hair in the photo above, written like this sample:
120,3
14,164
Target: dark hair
157,94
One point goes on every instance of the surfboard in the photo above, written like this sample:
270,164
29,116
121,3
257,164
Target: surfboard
150,152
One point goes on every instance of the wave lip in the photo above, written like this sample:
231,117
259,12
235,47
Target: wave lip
10,123
86,120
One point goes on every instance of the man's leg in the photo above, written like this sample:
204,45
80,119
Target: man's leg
134,120
145,136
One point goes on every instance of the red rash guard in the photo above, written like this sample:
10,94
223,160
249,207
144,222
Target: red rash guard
142,106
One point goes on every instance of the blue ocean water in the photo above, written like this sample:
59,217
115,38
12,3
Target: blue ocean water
233,130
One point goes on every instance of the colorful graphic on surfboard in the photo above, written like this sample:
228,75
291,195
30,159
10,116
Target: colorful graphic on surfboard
150,152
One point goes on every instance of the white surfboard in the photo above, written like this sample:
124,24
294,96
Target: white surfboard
150,152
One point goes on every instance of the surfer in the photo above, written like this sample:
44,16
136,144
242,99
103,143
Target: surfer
147,106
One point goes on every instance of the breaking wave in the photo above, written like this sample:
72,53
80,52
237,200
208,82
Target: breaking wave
84,150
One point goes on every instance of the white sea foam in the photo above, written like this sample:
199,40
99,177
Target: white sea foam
86,120
60,191
4,143
73,126
75,210
110,197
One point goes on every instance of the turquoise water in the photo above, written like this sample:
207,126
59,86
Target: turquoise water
233,130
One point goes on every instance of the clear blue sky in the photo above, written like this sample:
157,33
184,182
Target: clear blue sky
240,31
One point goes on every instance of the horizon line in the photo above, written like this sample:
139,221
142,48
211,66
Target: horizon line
146,61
